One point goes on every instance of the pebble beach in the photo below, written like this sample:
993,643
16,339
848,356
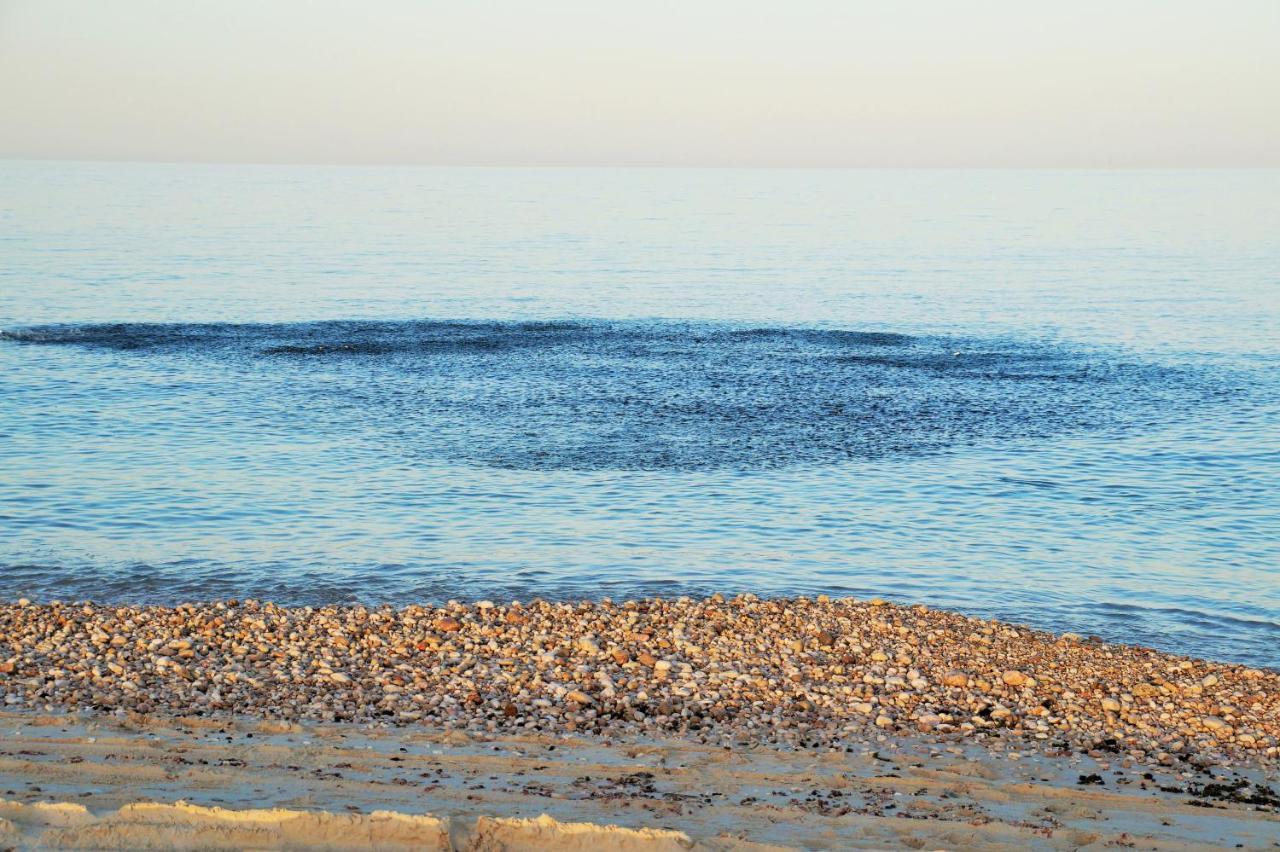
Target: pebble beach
805,427
795,673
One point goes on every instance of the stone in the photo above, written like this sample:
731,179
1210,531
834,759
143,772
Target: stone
928,721
1013,677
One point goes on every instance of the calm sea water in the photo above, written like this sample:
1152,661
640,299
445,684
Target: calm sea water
1051,397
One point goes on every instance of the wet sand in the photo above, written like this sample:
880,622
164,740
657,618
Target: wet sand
77,781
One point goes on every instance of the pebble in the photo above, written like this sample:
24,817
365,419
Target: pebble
827,671
928,721
1014,678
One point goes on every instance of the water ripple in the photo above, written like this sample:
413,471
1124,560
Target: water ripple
664,396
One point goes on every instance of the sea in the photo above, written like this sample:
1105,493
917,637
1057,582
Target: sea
1049,397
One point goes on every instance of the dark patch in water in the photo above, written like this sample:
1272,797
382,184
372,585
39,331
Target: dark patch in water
662,396
328,349
835,338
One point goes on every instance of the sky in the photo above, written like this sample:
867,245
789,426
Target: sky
790,83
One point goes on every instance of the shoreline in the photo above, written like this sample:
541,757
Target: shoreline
730,720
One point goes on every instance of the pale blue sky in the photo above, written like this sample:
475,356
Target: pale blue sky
716,82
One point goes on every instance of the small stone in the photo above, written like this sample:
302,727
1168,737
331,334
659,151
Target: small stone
928,721
579,697
1014,677
448,625
955,677
1110,705
339,677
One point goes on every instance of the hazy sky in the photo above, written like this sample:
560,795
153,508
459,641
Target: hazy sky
601,82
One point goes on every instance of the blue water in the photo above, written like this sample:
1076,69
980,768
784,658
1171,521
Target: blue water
1050,397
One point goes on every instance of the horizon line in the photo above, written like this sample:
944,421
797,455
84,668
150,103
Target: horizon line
624,166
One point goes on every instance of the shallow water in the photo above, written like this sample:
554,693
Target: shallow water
1049,397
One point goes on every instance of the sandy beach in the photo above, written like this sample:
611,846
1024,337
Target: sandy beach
716,723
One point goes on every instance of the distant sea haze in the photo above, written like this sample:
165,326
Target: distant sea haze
1049,397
